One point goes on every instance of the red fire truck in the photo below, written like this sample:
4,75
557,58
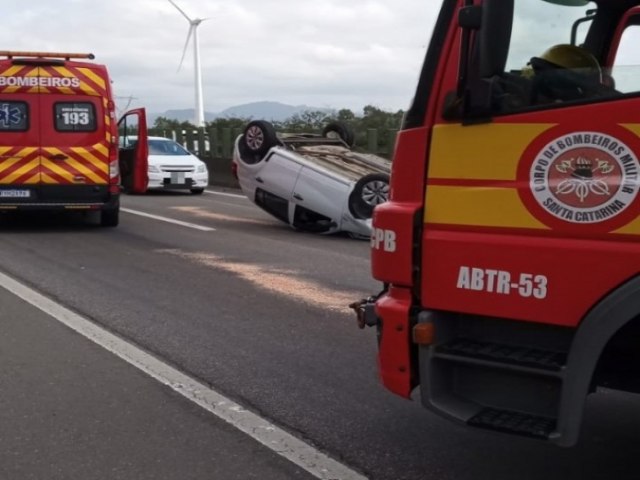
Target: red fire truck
510,247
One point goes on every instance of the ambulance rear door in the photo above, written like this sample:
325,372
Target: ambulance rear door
75,132
19,135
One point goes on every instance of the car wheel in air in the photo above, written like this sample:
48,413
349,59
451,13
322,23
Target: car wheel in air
370,191
259,136
339,130
197,191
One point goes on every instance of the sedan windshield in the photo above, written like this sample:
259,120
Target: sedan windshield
166,147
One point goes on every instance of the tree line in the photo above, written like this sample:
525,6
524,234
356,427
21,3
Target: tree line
371,118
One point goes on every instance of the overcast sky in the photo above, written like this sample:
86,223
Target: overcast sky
334,53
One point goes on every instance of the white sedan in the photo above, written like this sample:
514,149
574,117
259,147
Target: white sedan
171,166
313,182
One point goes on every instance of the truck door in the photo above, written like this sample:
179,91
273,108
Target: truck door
133,151
535,156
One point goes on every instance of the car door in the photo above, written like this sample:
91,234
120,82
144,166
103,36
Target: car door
274,185
133,151
320,196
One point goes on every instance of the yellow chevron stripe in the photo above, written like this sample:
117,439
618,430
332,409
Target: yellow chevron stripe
11,71
102,149
477,206
33,180
7,163
86,89
21,171
47,179
480,152
57,169
97,79
99,163
64,72
83,169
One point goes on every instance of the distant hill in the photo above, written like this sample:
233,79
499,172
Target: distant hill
273,111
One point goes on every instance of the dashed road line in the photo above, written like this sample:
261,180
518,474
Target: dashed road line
224,194
169,220
279,441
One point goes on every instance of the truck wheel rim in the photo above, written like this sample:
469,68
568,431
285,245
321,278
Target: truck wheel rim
254,138
376,192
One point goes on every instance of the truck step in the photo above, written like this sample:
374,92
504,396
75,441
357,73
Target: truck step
513,422
504,354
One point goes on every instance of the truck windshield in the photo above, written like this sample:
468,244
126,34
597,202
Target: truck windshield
166,147
539,25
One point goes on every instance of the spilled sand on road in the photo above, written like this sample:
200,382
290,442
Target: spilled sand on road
282,282
202,213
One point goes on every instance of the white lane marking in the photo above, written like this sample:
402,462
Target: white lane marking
224,194
293,449
168,220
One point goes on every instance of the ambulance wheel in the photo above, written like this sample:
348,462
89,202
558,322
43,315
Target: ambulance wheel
110,218
370,191
197,191
259,136
340,130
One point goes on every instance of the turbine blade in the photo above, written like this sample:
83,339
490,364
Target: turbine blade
180,10
186,44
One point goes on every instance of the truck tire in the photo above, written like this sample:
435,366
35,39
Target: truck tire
110,217
340,130
369,191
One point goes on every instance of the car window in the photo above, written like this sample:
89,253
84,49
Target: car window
166,147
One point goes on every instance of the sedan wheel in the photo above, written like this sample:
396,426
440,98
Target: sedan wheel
370,191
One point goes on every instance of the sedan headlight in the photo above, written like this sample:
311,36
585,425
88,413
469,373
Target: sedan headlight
202,168
153,169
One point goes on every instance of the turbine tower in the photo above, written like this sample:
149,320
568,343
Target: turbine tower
193,30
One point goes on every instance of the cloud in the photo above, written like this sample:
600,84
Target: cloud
334,53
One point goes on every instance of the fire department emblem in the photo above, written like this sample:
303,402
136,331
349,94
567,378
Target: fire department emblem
585,177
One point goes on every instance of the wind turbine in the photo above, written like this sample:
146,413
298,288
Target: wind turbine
193,30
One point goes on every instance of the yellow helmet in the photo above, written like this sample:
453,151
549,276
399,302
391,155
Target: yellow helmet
573,57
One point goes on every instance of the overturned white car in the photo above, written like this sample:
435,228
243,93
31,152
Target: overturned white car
313,182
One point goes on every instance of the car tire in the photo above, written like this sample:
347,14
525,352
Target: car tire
369,191
340,130
197,191
110,218
258,138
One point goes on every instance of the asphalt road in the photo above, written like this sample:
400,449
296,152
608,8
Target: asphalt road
258,312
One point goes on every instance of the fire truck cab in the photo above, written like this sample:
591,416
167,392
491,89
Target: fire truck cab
58,136
510,247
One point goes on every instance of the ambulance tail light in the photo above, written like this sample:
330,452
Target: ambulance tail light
114,167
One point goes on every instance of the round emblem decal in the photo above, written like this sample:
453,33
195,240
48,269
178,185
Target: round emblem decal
585,177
